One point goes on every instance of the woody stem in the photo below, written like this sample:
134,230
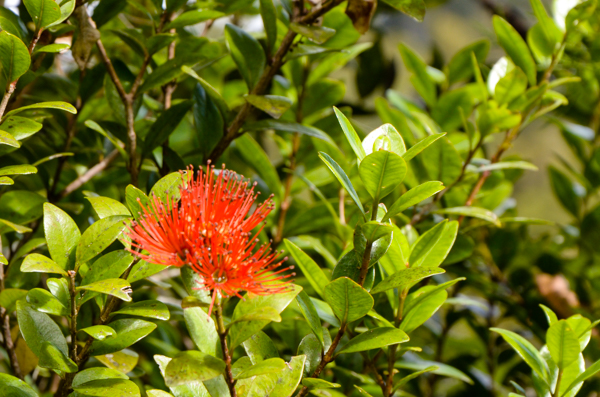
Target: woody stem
222,331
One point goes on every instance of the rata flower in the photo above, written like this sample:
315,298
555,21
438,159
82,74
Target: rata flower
213,229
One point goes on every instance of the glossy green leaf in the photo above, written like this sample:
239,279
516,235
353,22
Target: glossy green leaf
4,181
374,339
105,206
67,107
149,309
264,313
165,125
527,352
16,387
8,139
190,366
351,135
54,358
317,34
406,278
420,79
210,90
95,373
208,120
382,172
268,13
108,266
459,67
268,366
273,105
342,178
588,373
413,8
443,369
108,388
99,236
40,264
99,332
475,212
243,330
202,331
14,58
256,157
421,295
424,309
43,12
563,344
259,347
193,17
128,332
310,314
413,197
9,298
348,300
280,384
247,53
374,230
43,301
62,236
24,169
116,287
313,273
550,315
516,48
433,246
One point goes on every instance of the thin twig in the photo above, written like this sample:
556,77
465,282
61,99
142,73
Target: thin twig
222,331
89,174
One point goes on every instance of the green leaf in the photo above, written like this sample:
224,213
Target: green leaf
208,120
287,126
562,343
128,332
516,48
348,300
420,78
9,298
317,34
108,388
460,66
14,58
164,126
351,135
255,156
374,230
105,207
562,186
111,265
382,172
443,369
313,350
259,347
202,331
43,12
99,236
315,383
406,379
54,358
192,18
67,107
342,178
14,226
424,309
116,287
96,373
588,373
550,315
158,393
406,278
241,331
20,127
280,384
274,105
8,139
385,131
190,366
442,161
551,32
433,246
259,314
149,309
38,328
313,273
15,387
24,169
527,352
521,165
268,13
310,314
475,212
40,264
62,236
52,48
43,301
413,197
210,90
268,366
4,180
247,53
374,339
100,332
412,8
422,295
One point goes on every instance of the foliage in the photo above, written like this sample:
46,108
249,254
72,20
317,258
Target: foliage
415,274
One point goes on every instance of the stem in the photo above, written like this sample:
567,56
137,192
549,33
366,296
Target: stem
558,381
233,131
89,174
7,337
73,318
394,348
11,88
222,331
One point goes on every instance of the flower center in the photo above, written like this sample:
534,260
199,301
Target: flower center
219,276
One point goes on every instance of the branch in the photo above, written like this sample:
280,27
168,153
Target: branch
222,331
263,83
89,174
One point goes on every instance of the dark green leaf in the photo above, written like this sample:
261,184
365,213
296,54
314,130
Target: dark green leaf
351,135
247,53
287,126
257,158
193,17
207,119
14,57
310,314
413,8
406,278
459,67
348,300
516,48
164,125
313,273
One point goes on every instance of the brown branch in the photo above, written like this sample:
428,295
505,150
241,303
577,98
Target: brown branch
222,331
233,131
9,344
73,316
11,88
89,174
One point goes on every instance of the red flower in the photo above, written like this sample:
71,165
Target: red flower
210,229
